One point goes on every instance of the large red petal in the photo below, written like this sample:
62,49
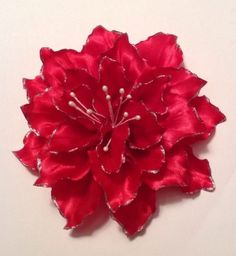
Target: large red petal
120,188
42,114
67,165
182,82
199,174
181,122
151,94
112,159
161,50
209,114
182,169
74,135
76,199
100,41
34,86
173,173
126,54
30,152
55,63
149,160
135,215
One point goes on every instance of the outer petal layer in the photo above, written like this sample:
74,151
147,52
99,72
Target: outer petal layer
67,165
209,114
183,170
29,154
135,215
173,173
181,122
161,50
42,115
34,86
76,199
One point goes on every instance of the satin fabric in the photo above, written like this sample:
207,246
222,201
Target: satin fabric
116,121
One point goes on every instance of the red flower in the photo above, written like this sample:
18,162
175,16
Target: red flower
116,121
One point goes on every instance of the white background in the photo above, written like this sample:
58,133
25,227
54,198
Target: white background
206,29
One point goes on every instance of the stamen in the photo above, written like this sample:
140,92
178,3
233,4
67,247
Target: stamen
73,105
88,111
123,121
106,147
122,91
105,88
108,98
126,114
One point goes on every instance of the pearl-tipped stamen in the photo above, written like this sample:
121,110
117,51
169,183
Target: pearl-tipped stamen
105,149
129,96
122,91
71,104
72,94
138,117
108,97
125,114
104,88
89,111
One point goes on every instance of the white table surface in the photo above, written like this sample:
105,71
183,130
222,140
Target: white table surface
206,29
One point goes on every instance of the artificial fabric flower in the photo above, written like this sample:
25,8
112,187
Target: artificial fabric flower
113,124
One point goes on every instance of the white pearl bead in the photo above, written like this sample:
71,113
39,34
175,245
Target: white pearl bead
122,91
89,111
105,88
105,149
125,114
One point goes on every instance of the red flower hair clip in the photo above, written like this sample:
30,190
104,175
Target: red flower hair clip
114,123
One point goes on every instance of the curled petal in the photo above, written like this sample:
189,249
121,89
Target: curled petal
181,122
173,173
161,50
135,215
34,86
55,64
100,41
76,199
209,114
199,174
33,146
151,95
182,169
120,188
74,135
149,160
145,131
67,165
111,152
42,115
182,82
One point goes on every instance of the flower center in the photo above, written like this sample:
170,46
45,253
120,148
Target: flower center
98,118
